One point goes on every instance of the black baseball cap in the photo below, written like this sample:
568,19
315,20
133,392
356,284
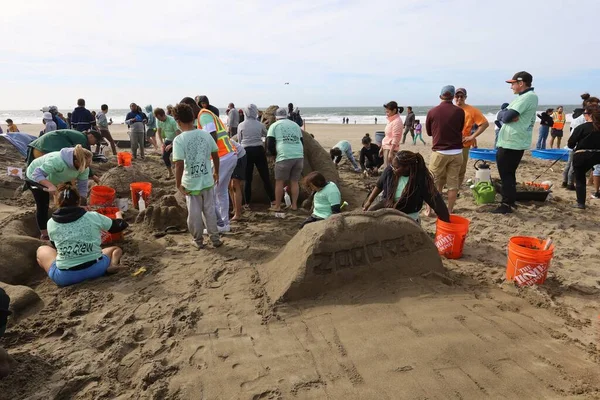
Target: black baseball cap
522,76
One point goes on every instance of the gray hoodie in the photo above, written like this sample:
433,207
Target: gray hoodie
251,132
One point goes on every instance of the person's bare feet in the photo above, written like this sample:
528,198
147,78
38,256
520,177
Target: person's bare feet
236,218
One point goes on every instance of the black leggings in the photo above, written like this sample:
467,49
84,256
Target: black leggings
374,162
256,156
582,163
42,203
310,220
166,155
508,161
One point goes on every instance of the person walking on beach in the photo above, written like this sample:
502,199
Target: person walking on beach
343,147
210,122
135,120
515,137
473,117
233,120
81,118
103,123
445,124
193,150
284,141
167,132
418,132
409,124
375,120
393,132
370,160
11,126
585,142
546,122
250,135
557,129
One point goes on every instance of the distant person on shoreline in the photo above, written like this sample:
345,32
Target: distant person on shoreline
546,122
557,129
515,137
11,127
409,123
375,120
233,120
293,114
81,118
103,124
343,147
370,160
393,133
418,132
498,123
473,117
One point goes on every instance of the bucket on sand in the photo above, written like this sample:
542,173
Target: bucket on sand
136,188
102,196
124,159
107,237
379,136
528,262
450,237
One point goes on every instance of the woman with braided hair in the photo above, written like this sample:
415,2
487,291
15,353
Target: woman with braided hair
405,185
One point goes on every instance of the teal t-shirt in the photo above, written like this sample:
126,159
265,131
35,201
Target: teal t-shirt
56,168
402,182
343,145
517,135
287,136
326,198
168,128
79,241
194,148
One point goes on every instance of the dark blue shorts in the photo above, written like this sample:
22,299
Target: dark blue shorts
65,277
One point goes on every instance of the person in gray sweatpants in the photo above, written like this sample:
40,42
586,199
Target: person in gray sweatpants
202,204
135,119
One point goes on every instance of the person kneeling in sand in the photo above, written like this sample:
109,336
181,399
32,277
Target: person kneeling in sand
327,199
405,185
343,148
76,235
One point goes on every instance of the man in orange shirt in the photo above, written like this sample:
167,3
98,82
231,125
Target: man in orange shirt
472,117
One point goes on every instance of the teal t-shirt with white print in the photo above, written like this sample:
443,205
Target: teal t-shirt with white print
79,241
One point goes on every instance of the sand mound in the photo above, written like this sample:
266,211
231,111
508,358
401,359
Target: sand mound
18,265
166,213
9,157
328,254
23,300
119,178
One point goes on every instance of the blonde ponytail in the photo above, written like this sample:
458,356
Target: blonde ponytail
83,157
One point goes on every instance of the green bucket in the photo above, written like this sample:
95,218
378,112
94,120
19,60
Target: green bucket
484,193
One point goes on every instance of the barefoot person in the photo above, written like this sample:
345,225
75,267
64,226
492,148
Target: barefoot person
192,151
76,235
405,185
327,199
167,131
237,182
343,148
284,141
47,171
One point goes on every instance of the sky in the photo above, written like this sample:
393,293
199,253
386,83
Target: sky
332,52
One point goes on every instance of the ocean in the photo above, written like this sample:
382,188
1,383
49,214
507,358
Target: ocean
319,115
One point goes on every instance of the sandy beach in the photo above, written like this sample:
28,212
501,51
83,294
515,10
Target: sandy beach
199,324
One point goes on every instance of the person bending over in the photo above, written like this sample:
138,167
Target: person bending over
369,159
77,235
343,148
405,185
327,199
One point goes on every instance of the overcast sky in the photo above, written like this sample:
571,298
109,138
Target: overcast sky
332,53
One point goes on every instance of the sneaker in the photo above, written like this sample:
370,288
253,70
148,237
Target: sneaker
579,206
596,196
225,228
564,185
503,209
571,187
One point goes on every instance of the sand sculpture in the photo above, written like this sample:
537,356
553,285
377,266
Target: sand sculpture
357,245
167,212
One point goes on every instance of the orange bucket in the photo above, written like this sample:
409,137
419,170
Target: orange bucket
124,159
528,262
102,196
136,188
107,237
450,237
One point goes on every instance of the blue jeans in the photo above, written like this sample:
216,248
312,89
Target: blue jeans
65,277
543,135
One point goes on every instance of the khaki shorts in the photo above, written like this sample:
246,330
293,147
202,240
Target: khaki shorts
446,169
289,170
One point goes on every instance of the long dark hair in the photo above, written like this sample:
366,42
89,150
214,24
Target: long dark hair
67,195
418,174
594,113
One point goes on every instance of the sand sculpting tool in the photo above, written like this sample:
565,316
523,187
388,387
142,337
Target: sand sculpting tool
547,169
139,271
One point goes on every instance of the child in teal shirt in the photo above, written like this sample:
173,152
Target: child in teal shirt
327,199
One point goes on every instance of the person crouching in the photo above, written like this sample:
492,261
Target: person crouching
327,199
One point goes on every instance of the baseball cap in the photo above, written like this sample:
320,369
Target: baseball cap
522,76
281,113
461,90
447,91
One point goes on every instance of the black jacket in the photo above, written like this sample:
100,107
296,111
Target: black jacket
585,137
414,203
371,154
545,119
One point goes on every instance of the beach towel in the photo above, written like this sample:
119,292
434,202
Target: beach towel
20,141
